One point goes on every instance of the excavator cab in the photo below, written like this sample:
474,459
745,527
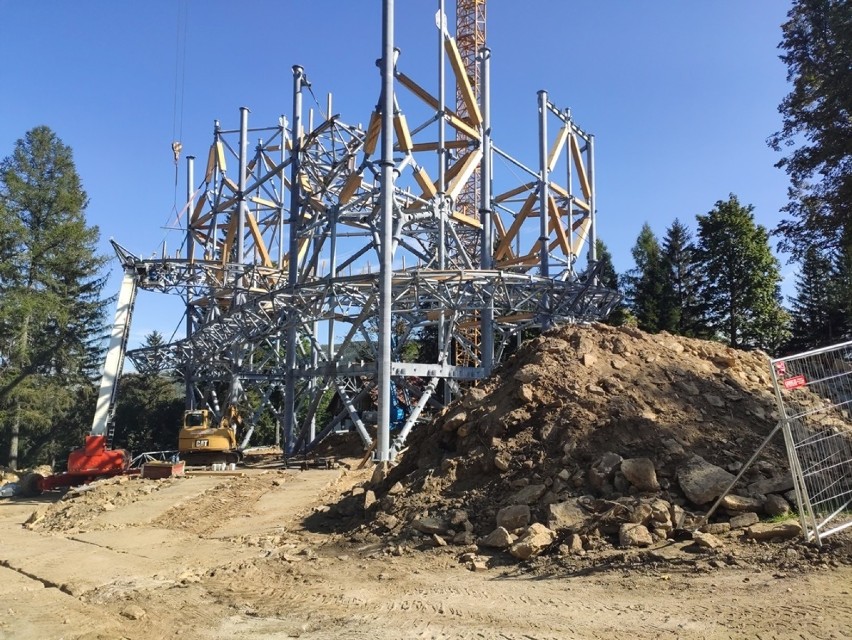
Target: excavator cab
202,443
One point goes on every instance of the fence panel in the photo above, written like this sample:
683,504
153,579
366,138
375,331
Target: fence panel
814,392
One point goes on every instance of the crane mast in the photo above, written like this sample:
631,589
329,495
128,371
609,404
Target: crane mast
470,37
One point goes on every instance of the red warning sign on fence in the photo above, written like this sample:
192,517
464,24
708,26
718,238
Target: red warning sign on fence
795,382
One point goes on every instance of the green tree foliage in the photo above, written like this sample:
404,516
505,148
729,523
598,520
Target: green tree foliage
816,310
817,125
645,282
50,307
680,311
740,278
148,413
609,279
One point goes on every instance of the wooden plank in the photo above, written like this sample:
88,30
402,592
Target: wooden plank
417,90
460,125
499,227
211,163
426,184
373,131
580,238
505,246
581,168
514,192
231,184
349,188
220,156
464,219
553,158
229,240
463,81
263,202
556,224
403,135
470,163
259,244
197,210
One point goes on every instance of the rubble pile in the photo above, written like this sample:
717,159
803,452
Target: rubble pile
589,438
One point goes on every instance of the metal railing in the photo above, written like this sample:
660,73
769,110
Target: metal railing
814,393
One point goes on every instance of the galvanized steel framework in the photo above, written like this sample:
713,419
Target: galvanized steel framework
332,235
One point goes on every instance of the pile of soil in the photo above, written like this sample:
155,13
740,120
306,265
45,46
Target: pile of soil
591,438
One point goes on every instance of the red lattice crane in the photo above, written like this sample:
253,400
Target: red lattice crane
470,36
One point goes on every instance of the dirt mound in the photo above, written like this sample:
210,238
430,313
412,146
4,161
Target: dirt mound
591,437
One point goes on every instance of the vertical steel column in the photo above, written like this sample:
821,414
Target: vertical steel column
442,183
241,195
544,193
190,207
485,212
293,262
383,366
593,214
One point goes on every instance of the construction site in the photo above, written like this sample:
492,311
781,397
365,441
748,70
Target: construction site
533,473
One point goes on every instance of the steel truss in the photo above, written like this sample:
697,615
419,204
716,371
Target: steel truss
285,273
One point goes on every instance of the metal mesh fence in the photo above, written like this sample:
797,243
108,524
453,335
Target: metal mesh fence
814,392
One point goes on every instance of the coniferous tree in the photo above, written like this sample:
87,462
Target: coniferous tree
740,278
50,307
817,44
680,311
645,282
814,307
608,277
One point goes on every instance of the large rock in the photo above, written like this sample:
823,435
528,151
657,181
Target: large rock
701,481
733,502
640,472
566,516
776,484
706,540
775,505
529,494
429,525
534,540
513,517
744,520
774,531
634,535
498,539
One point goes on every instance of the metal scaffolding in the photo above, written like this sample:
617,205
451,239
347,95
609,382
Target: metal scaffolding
309,270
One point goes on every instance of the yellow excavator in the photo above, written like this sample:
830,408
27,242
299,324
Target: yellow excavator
202,443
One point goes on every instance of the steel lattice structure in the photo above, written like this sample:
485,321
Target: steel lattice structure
315,242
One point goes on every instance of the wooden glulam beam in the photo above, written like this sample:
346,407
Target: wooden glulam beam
463,81
581,168
259,244
403,135
374,128
556,150
514,192
504,248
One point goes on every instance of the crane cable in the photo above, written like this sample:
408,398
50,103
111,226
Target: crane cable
180,83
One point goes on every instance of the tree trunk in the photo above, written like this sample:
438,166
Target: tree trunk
13,444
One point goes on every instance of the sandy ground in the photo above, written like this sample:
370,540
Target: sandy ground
229,557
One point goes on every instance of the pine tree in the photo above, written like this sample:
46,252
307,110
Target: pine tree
680,311
817,44
608,278
814,308
645,282
740,278
50,308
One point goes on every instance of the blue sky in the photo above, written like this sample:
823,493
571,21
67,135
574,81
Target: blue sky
681,96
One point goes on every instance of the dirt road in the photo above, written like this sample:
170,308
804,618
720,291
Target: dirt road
229,557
